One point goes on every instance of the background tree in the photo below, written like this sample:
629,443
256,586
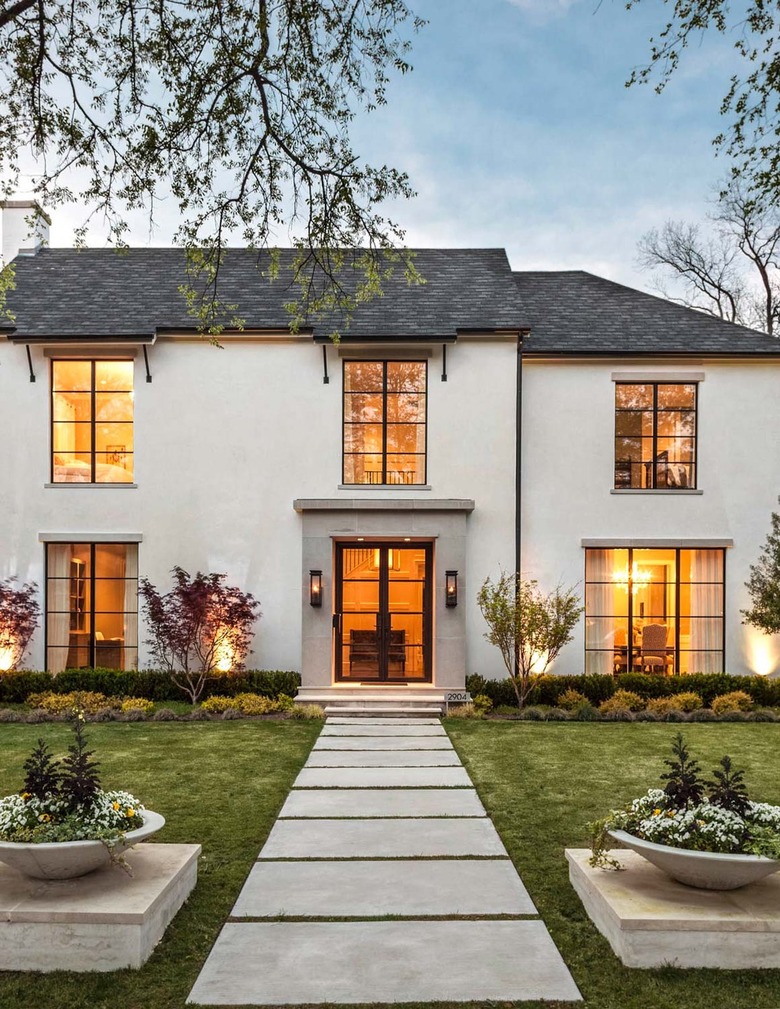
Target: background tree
527,626
238,111
20,614
732,269
752,95
764,584
200,627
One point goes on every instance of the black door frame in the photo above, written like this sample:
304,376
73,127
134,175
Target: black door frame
383,617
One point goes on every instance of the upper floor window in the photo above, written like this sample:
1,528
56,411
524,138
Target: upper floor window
92,422
385,422
655,436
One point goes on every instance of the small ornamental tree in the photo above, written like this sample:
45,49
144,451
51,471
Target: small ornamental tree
19,617
527,626
199,628
764,584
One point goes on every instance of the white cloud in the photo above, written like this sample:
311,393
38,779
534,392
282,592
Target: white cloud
544,8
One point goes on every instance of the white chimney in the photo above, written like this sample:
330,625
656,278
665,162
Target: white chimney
25,228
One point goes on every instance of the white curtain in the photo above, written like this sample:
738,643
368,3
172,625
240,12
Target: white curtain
130,660
58,605
599,618
706,654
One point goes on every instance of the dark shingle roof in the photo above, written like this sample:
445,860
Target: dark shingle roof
578,313
102,293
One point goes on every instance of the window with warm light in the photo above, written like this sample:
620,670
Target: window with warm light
654,610
385,422
655,436
92,421
91,606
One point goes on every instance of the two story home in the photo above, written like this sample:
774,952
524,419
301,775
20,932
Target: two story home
554,423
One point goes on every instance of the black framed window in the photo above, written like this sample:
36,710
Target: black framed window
91,606
655,435
385,413
91,421
659,610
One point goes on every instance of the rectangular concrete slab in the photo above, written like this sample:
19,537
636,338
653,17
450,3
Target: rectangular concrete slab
374,889
650,920
381,802
294,963
407,729
383,777
357,720
382,838
383,743
383,758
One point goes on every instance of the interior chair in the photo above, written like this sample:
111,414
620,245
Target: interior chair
654,647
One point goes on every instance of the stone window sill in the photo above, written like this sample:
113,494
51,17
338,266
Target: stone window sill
102,486
661,490
384,486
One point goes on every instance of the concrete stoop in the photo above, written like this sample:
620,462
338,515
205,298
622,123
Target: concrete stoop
367,702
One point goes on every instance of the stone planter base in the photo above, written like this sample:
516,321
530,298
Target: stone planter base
650,920
100,922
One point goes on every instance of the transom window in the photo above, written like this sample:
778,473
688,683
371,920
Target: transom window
91,605
385,422
92,422
655,436
656,610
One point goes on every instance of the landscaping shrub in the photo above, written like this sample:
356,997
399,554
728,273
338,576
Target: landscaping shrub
482,704
762,715
64,704
735,700
613,713
153,684
572,699
307,712
465,711
138,704
686,701
559,715
218,705
165,715
703,715
254,704
622,700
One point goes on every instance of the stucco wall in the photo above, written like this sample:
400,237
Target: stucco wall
225,441
568,458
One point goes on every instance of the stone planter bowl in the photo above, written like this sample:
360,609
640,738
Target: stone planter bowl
68,859
706,870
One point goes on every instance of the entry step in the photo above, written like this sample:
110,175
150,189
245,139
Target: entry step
375,711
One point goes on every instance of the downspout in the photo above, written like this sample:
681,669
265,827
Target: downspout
519,451
519,471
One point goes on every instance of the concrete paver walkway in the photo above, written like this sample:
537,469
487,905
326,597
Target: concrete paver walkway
375,827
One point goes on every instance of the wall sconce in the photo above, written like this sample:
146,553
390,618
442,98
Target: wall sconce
452,588
315,588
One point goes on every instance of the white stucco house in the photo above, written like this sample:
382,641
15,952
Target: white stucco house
488,419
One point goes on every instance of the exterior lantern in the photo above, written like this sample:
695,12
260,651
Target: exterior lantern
452,588
315,588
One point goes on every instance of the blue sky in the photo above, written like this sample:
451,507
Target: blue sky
517,131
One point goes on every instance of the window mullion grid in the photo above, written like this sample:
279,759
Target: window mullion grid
92,426
655,436
630,635
384,422
677,556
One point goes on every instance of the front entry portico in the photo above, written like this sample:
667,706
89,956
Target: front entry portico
383,631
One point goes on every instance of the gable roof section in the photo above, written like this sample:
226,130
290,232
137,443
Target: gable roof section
573,312
104,294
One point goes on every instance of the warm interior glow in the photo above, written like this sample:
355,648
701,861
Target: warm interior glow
640,578
6,659
538,662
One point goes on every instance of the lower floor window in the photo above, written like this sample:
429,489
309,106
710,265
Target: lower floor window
654,610
91,606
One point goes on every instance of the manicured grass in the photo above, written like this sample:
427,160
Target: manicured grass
217,784
542,783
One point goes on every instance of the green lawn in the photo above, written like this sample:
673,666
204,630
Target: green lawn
542,782
220,784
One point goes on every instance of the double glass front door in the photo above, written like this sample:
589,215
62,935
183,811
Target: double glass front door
383,611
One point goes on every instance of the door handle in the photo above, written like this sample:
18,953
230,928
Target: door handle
336,621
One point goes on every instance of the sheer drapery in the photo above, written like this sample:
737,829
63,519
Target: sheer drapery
58,605
600,620
131,607
706,612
